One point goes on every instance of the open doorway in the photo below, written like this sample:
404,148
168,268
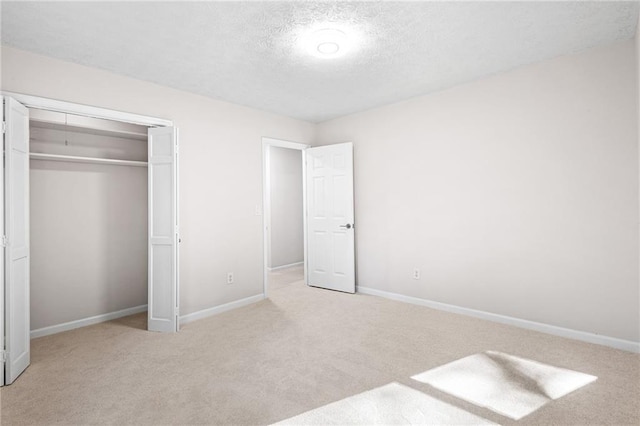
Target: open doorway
284,223
327,211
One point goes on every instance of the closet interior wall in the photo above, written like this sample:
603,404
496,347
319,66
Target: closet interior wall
88,224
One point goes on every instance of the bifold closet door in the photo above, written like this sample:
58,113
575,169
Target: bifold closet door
163,229
16,241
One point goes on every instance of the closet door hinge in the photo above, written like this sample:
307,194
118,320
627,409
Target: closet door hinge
4,127
3,356
5,241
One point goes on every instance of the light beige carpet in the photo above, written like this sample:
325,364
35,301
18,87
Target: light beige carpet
390,404
512,386
285,277
302,349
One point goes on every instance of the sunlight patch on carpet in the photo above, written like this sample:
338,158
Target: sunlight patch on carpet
512,386
389,404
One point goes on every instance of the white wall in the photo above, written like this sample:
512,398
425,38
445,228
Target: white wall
516,194
88,228
220,166
637,43
286,236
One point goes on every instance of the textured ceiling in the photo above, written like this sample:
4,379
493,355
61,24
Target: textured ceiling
249,53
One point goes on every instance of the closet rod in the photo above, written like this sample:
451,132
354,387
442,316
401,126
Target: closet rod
94,160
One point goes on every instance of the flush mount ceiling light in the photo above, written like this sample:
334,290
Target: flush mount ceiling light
327,43
328,48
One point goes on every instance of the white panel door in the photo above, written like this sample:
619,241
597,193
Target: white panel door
163,229
330,217
16,231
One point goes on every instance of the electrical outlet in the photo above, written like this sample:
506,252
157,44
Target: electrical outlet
258,210
416,274
229,277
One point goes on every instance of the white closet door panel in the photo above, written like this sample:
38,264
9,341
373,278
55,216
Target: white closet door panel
16,229
163,230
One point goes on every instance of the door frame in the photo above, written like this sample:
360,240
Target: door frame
267,143
38,102
48,104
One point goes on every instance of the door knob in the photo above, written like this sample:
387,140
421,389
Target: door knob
348,226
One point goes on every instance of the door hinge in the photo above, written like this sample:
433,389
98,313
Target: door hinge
3,356
4,127
5,241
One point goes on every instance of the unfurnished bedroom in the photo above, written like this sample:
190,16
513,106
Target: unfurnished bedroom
320,213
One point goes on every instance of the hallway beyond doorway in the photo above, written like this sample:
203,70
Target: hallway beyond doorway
285,277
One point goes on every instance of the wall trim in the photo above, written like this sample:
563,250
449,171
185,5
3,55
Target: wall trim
186,319
290,265
598,339
71,325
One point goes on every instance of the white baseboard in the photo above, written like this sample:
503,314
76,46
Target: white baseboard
53,329
186,319
275,268
626,345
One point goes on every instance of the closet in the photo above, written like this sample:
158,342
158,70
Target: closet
90,221
88,195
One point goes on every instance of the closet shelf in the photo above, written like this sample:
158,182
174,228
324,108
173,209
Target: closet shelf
94,160
93,126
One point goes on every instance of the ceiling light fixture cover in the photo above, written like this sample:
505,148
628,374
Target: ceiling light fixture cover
327,43
328,48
